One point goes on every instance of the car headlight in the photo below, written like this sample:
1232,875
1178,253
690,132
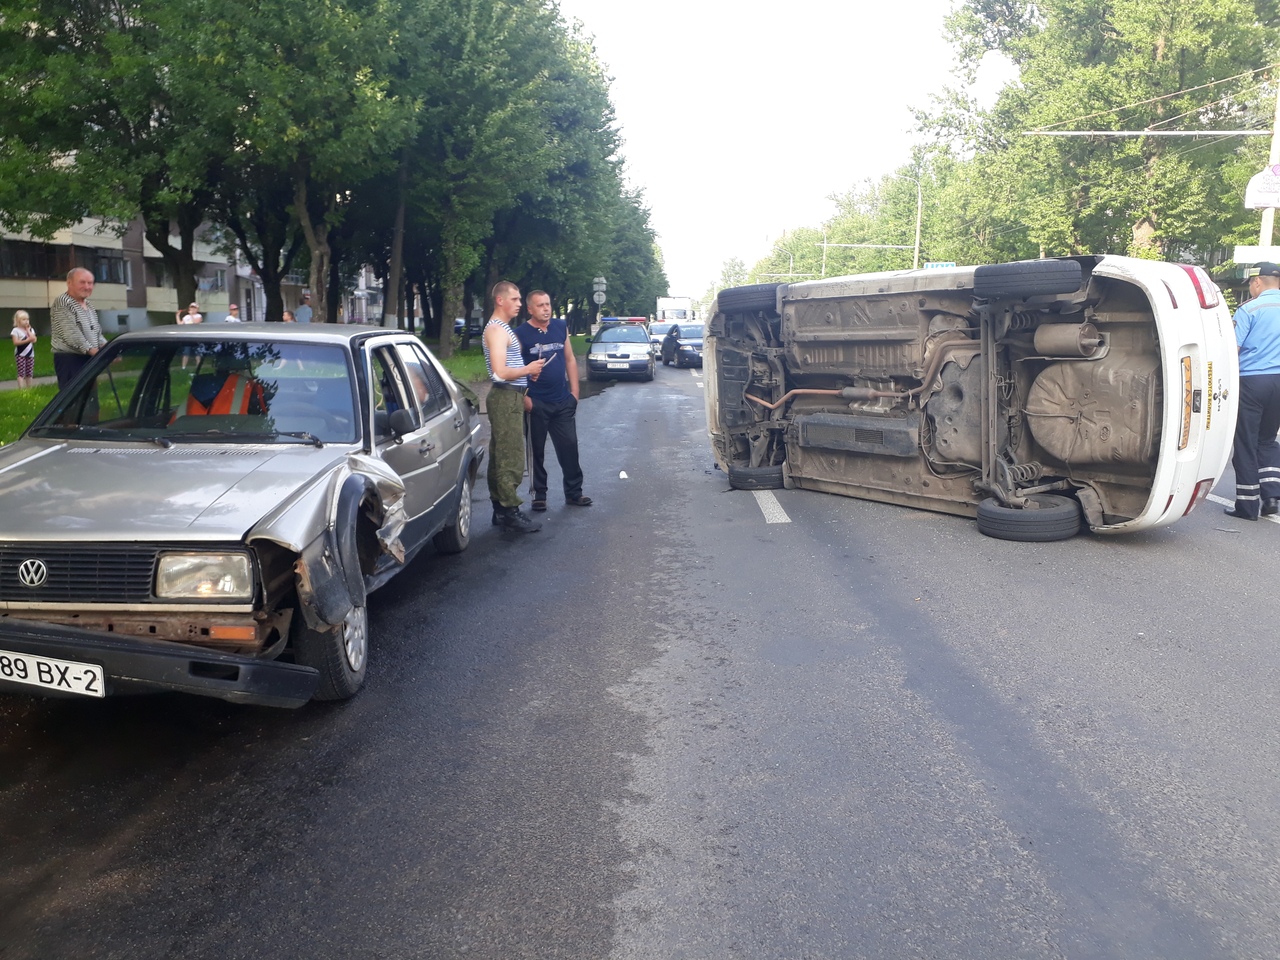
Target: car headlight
204,576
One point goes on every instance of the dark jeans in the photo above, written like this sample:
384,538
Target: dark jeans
1256,459
67,365
558,420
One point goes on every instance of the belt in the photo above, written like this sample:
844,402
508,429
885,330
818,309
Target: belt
504,385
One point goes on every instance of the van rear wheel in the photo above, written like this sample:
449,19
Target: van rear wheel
755,478
748,299
1053,518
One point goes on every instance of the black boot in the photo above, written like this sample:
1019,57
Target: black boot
1270,507
1238,513
497,513
513,519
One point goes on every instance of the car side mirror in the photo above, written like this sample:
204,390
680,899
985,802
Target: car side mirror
401,422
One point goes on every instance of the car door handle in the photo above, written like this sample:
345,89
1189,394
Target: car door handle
457,424
425,447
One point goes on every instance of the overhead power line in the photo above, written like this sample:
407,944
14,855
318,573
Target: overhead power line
1146,133
1166,96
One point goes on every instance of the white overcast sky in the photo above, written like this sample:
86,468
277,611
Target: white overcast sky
741,119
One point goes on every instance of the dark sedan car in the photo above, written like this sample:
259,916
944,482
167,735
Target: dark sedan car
621,352
206,508
684,349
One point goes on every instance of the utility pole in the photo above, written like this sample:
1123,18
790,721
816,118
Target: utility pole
1269,213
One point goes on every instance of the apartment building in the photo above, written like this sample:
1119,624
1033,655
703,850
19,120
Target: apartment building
133,289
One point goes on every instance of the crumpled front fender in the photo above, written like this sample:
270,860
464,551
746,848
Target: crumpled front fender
330,580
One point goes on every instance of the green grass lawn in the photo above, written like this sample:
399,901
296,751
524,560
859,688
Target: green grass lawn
468,365
19,407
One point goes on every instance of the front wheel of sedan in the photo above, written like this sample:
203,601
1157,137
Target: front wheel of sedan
1053,518
340,655
455,537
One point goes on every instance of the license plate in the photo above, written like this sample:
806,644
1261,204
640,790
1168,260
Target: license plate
64,675
618,366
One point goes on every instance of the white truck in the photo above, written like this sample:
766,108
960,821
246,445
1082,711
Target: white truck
674,310
670,312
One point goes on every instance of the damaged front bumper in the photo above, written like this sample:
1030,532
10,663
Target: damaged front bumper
131,666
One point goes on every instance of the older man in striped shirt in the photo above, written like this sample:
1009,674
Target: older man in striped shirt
77,335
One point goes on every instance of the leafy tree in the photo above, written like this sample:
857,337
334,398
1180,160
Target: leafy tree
104,110
315,88
1114,65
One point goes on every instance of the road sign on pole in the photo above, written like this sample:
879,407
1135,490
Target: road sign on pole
598,296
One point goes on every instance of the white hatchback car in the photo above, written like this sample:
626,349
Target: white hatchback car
1030,395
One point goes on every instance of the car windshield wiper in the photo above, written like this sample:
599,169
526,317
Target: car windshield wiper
241,437
236,436
77,431
305,437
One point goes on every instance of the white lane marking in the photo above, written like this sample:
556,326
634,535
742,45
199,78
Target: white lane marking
1274,518
622,475
770,507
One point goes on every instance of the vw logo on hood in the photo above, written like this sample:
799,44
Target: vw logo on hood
32,573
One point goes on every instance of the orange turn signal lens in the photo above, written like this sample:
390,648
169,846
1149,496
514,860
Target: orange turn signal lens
227,632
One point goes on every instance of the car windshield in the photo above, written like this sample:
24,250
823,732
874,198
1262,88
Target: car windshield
210,391
628,334
659,329
690,331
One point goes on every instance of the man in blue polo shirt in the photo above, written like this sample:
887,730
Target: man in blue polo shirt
1256,457
552,401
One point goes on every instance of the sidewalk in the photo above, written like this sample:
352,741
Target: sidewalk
13,384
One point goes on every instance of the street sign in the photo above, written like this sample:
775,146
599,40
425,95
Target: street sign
598,296
1263,190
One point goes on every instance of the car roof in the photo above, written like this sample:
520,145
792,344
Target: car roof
302,333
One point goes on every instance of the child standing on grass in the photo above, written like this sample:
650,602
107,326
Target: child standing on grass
24,348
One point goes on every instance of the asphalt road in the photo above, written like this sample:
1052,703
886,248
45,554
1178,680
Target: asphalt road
665,727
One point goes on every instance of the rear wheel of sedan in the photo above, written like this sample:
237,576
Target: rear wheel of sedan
340,655
755,478
1054,518
455,537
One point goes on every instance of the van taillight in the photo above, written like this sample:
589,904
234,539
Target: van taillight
1206,289
1201,491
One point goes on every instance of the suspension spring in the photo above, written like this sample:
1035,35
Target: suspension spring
1025,472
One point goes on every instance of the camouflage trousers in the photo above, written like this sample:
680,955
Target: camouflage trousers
506,445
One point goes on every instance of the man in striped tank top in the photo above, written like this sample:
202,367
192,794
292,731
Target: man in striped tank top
508,380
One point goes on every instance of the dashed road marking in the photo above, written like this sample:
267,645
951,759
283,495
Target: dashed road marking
770,507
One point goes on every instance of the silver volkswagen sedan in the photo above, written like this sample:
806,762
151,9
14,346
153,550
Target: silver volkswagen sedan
206,509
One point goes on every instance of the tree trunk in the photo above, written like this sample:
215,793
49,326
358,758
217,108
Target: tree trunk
389,318
179,262
268,242
317,234
453,305
1145,243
